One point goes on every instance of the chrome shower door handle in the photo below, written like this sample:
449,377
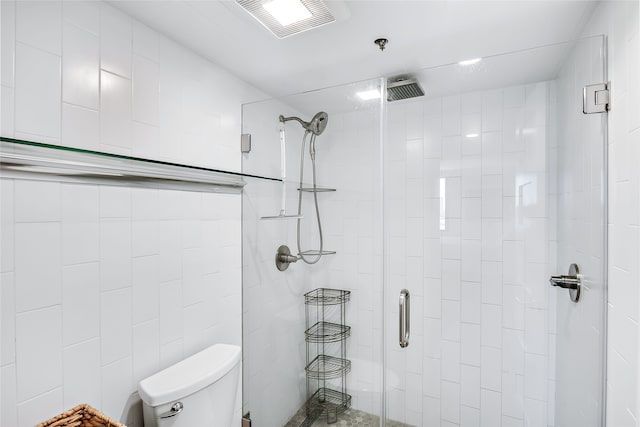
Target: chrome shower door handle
565,282
405,318
175,410
570,281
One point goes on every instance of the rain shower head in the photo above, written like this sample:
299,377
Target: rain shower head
316,125
403,88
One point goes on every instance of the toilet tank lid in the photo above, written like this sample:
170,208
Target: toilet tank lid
189,375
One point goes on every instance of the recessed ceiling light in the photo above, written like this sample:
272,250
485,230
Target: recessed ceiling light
288,17
369,94
287,12
471,135
470,61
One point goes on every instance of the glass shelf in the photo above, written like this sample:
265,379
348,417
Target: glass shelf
317,190
19,156
315,252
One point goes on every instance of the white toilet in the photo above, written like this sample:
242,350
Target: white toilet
198,391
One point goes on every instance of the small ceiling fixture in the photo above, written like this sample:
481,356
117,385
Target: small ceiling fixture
471,135
285,18
287,12
470,61
381,43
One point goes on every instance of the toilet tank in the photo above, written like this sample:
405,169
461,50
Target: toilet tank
197,391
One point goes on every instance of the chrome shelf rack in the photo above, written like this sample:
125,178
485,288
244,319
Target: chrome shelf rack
327,364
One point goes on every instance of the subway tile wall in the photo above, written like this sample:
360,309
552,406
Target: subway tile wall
107,286
83,74
469,231
103,285
273,301
348,161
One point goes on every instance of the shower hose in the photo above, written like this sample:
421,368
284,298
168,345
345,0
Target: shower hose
312,154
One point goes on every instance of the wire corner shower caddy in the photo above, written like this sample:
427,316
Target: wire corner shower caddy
327,364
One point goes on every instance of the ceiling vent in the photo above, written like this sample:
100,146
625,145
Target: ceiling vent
403,88
285,18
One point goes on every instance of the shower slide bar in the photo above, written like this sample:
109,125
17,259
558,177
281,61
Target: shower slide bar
283,178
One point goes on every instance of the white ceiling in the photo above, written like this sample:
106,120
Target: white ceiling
421,34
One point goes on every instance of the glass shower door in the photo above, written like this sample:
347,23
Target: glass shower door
494,182
581,241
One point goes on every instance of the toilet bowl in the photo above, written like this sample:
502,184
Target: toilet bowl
197,391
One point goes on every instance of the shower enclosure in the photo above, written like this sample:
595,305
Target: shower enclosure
468,199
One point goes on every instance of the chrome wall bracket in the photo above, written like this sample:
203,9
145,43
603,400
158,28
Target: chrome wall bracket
245,143
571,282
595,98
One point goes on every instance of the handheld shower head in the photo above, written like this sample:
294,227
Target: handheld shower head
317,124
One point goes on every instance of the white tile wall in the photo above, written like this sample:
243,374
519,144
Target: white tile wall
66,338
92,292
273,301
484,341
37,92
80,67
119,86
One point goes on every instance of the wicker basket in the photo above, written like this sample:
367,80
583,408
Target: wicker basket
81,416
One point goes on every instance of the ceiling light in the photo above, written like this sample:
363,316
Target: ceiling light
288,17
369,94
287,12
470,61
471,135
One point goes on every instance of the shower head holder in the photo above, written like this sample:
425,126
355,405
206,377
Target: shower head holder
316,125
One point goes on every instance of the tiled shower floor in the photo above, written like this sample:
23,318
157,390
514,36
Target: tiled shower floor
350,417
